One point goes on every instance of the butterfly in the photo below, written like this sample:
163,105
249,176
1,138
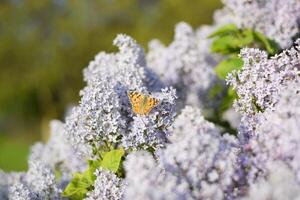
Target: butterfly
142,104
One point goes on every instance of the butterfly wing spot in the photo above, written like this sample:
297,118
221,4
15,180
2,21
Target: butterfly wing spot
134,96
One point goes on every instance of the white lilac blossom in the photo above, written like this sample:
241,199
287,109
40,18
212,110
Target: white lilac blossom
259,81
280,183
104,115
106,187
277,19
276,135
185,64
198,163
58,152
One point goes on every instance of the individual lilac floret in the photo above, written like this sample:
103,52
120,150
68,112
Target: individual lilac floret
276,136
185,64
106,187
198,164
280,183
277,19
58,152
104,115
259,81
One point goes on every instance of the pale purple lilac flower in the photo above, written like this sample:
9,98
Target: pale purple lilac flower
104,114
7,180
198,163
37,183
151,181
259,81
280,183
20,192
275,136
106,187
40,179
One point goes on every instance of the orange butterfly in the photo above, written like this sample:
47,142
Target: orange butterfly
142,104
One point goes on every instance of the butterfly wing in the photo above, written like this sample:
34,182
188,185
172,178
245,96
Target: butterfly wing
148,104
136,100
141,104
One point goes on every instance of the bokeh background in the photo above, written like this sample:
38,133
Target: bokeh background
45,44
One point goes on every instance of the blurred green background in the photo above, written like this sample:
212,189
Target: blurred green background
45,44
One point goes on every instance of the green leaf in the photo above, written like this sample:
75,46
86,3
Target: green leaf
112,160
225,45
82,182
227,66
247,38
93,165
228,99
271,46
215,90
77,188
225,30
229,44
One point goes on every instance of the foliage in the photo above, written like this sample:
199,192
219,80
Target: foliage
228,40
227,66
83,182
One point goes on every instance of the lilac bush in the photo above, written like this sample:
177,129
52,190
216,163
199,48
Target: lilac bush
226,125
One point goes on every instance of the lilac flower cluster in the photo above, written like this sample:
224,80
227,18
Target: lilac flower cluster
104,114
261,78
275,136
280,183
107,186
7,180
38,183
178,175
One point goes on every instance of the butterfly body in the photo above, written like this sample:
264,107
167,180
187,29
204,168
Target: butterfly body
142,104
